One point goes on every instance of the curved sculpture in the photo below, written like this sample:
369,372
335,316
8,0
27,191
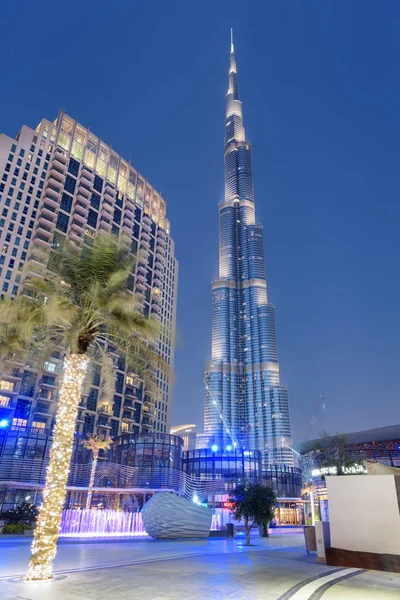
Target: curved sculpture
166,515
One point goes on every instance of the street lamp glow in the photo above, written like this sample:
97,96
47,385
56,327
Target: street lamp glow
214,448
229,448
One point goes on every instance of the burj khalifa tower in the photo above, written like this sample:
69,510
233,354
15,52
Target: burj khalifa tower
245,405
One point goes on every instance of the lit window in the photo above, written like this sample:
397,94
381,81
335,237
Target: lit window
6,385
39,425
19,423
49,366
4,400
130,380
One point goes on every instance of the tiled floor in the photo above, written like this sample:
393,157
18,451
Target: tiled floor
271,569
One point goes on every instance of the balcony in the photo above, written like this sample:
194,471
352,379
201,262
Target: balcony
75,237
87,175
42,411
141,269
105,226
144,244
145,235
54,185
128,405
109,195
78,226
82,200
60,157
42,241
156,309
103,425
129,211
161,234
81,212
83,191
128,417
104,410
146,220
48,383
57,174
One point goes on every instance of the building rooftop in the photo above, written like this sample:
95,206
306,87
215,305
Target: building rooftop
378,434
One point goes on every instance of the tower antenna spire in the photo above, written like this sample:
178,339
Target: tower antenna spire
231,40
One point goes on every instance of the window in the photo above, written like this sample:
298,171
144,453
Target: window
22,152
70,184
5,287
73,167
95,201
117,215
92,218
62,222
66,203
6,385
13,148
38,425
98,183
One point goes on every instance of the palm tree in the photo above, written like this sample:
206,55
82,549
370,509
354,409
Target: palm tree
80,302
94,443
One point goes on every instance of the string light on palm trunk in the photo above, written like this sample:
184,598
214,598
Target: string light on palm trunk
44,546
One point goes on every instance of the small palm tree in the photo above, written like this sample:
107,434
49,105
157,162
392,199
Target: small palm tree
80,302
94,443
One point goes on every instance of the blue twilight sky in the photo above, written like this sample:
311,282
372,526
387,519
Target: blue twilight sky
321,98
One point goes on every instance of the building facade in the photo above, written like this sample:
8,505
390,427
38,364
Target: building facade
58,182
245,405
187,433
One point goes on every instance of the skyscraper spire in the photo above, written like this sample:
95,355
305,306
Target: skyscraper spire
245,403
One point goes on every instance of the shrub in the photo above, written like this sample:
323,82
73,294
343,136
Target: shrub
11,528
23,513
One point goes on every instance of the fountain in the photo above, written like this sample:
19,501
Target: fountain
101,523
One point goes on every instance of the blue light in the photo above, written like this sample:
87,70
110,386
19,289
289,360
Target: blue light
214,448
229,448
3,423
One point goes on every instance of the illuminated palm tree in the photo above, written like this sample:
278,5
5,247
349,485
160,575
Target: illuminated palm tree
94,443
80,302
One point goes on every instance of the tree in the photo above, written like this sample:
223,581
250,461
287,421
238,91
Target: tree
23,513
333,451
254,503
79,301
94,443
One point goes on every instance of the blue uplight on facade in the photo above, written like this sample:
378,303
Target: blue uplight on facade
229,448
4,423
245,404
214,448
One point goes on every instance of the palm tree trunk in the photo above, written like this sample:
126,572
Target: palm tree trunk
91,482
44,545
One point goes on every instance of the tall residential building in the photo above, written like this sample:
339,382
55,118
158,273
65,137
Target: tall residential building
245,405
61,181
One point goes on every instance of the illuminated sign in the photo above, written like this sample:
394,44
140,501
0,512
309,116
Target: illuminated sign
228,504
353,470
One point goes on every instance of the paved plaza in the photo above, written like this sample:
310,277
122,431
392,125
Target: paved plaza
274,568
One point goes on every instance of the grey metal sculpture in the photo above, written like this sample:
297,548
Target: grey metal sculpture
166,515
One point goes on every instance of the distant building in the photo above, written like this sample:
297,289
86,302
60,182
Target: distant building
245,404
187,433
60,181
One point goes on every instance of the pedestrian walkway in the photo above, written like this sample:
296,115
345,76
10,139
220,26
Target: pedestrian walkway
274,568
